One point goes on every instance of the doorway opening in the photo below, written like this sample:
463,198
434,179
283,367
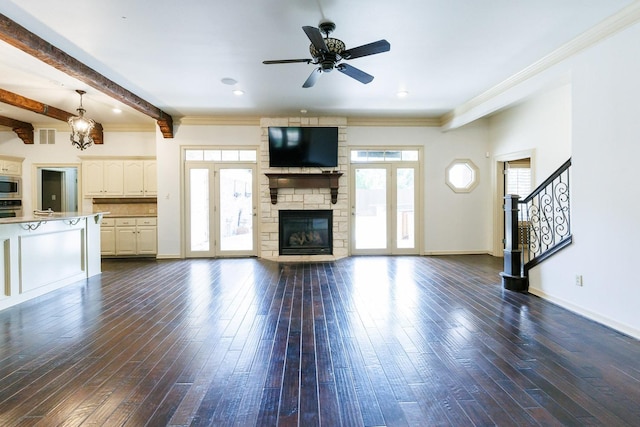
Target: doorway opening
514,173
56,188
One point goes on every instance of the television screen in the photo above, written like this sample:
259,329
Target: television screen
303,146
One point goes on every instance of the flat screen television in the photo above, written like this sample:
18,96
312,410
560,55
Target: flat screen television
303,146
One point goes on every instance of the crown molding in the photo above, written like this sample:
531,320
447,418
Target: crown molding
114,127
625,18
394,121
130,127
219,121
350,121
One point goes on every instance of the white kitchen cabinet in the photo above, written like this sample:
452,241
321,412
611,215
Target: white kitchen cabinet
135,236
10,166
102,178
140,178
108,236
133,178
147,238
119,177
113,178
92,177
150,178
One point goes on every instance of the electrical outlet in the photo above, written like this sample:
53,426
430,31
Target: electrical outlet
578,280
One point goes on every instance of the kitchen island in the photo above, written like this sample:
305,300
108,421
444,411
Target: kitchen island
44,252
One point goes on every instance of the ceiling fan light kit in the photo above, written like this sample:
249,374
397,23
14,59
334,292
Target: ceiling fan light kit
328,52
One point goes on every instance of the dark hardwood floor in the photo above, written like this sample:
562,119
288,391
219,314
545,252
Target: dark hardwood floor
417,341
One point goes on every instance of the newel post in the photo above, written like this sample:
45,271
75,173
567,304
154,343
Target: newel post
511,276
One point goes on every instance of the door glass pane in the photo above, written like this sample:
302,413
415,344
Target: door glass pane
236,209
371,209
405,233
199,209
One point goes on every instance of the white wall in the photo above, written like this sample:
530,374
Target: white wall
453,222
62,152
169,158
541,123
604,133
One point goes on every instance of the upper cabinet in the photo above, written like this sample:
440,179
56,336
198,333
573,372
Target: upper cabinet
150,178
10,166
102,178
140,178
119,177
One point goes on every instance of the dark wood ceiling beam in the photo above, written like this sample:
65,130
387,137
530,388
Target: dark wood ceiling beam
25,103
24,130
21,38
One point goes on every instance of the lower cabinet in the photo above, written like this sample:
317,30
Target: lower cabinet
129,236
108,237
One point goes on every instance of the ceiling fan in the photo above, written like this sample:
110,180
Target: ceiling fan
328,53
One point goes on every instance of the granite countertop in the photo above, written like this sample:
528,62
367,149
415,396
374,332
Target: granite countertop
52,216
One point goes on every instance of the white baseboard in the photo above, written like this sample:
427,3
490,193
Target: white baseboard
620,327
168,256
429,253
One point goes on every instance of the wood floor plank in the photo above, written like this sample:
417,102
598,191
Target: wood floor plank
358,342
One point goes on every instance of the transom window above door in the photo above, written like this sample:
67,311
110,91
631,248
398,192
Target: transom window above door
368,156
221,155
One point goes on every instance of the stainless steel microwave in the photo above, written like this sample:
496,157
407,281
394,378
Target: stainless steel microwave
10,187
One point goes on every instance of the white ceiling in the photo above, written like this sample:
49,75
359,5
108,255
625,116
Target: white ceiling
174,54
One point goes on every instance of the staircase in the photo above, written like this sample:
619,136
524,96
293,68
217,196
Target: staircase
536,228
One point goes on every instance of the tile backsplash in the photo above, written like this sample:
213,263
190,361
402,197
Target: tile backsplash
126,208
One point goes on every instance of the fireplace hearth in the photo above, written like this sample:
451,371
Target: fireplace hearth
306,232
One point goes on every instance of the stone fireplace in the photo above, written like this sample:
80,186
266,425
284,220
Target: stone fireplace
304,197
306,232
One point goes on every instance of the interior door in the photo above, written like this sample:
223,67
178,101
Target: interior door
220,209
384,209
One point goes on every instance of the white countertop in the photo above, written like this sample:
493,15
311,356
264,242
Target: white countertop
112,215
54,216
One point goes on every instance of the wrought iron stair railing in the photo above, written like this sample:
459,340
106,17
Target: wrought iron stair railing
536,227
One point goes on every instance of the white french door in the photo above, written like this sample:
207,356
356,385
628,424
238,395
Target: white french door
384,207
220,209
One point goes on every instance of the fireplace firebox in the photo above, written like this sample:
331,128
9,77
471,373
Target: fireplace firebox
306,232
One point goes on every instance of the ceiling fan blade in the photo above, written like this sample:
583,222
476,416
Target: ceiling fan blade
313,78
355,73
367,49
286,61
316,38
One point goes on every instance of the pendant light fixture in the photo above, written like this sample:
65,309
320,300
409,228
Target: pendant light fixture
81,127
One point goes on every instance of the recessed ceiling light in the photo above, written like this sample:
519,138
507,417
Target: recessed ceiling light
402,93
229,81
238,92
116,110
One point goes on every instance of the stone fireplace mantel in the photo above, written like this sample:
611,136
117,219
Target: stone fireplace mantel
304,180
